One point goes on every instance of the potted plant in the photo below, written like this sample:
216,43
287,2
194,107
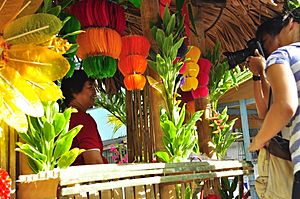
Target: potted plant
47,145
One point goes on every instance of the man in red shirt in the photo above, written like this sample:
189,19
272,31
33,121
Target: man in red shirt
79,93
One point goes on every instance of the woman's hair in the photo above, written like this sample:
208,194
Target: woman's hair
73,85
294,14
271,27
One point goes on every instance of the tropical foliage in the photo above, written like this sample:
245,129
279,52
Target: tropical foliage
179,139
222,135
48,141
221,78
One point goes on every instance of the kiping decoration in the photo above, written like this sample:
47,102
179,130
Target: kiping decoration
203,78
99,48
191,69
29,65
133,62
100,13
100,45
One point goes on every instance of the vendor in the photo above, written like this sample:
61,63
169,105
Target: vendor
79,93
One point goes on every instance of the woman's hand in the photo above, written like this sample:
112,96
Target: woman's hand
256,64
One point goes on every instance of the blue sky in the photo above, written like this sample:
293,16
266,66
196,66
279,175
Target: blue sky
105,129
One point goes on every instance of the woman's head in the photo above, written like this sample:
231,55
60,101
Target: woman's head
267,33
79,88
290,31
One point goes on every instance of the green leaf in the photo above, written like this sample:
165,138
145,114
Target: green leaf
168,43
160,37
167,16
179,5
69,157
64,143
136,3
59,123
163,155
65,3
169,128
171,25
49,131
32,29
31,152
234,184
77,32
195,117
55,10
34,165
73,49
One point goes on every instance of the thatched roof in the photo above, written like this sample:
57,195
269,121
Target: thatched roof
232,25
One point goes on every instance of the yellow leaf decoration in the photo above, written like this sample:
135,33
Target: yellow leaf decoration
13,116
31,8
32,29
17,90
47,91
8,11
37,63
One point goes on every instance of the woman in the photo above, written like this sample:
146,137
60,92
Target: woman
283,73
79,93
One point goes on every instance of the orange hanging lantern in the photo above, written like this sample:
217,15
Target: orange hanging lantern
99,41
135,45
192,69
135,82
132,64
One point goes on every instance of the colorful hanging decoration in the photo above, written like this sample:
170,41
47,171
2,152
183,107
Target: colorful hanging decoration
5,184
100,13
191,69
99,41
104,22
135,82
28,66
133,63
135,45
203,79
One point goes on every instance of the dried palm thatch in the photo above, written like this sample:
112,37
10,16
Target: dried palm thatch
232,25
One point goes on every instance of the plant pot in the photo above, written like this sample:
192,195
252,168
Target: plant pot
40,189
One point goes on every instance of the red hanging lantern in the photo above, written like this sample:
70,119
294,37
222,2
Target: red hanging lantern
101,13
135,45
203,79
134,82
201,91
132,64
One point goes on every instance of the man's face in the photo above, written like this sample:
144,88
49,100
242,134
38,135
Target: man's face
270,43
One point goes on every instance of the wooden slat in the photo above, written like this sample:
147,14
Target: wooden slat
140,192
95,195
89,173
12,159
106,194
129,126
150,194
117,193
149,180
129,192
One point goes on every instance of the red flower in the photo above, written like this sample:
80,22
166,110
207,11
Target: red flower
5,184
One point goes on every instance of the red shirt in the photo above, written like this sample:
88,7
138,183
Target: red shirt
88,137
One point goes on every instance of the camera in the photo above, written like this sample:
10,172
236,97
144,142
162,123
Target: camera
235,58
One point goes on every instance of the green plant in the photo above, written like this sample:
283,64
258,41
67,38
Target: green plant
228,188
222,137
291,4
116,105
48,141
179,139
221,79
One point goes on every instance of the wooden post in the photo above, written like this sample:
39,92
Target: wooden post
204,131
149,13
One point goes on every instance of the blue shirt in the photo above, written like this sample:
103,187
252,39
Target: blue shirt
290,57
